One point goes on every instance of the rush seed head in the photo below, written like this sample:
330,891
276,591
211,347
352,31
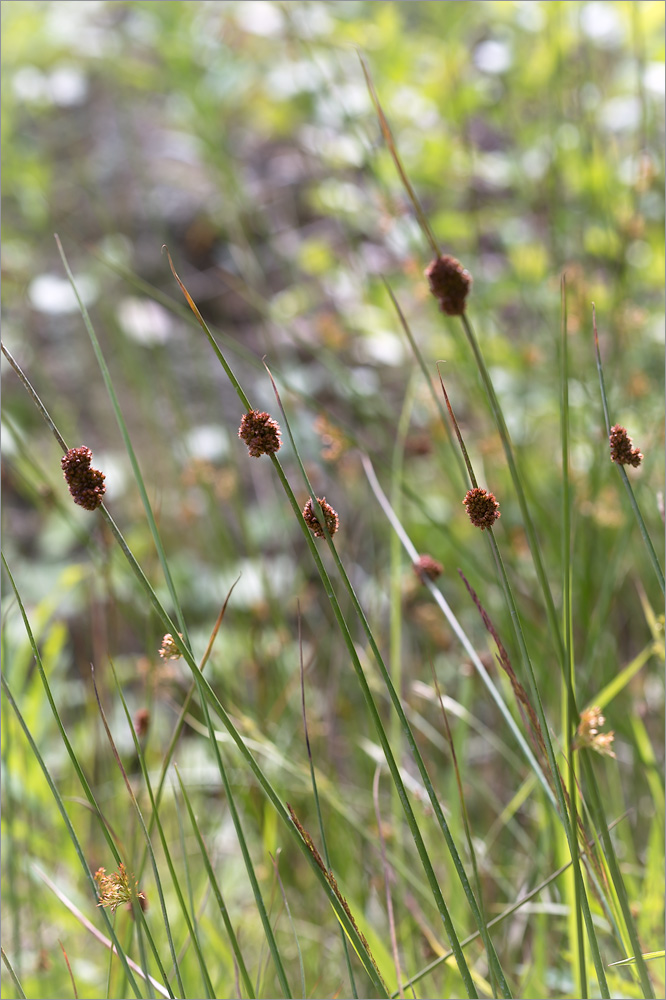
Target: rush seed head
482,507
86,484
427,567
141,722
260,432
330,515
450,283
621,449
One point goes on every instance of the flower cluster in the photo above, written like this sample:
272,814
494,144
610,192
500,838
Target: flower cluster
621,448
260,432
427,567
588,735
86,484
482,507
118,888
330,516
169,649
450,283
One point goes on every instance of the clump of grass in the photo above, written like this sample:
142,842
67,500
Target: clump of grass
450,284
222,920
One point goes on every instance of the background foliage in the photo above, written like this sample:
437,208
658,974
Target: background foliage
242,136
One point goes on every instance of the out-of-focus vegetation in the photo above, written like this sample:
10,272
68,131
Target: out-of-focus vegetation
242,136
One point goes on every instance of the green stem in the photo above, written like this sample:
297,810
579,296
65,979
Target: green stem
14,977
383,739
395,588
555,773
317,803
70,829
429,382
570,719
441,601
136,908
167,853
231,934
659,573
106,375
616,875
510,910
360,946
381,733
530,531
207,693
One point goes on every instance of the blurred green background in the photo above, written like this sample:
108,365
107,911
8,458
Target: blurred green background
241,134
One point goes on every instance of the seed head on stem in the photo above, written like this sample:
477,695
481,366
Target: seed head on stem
426,567
86,484
312,521
117,888
588,733
482,506
621,450
450,283
260,432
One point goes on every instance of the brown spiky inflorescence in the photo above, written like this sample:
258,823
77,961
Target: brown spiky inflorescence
524,704
169,649
482,507
260,432
621,449
86,484
450,283
427,567
588,735
330,515
330,878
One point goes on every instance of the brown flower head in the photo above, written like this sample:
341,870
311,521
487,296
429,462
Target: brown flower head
621,447
260,432
449,283
482,507
331,517
141,722
86,484
588,735
426,566
169,649
117,888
